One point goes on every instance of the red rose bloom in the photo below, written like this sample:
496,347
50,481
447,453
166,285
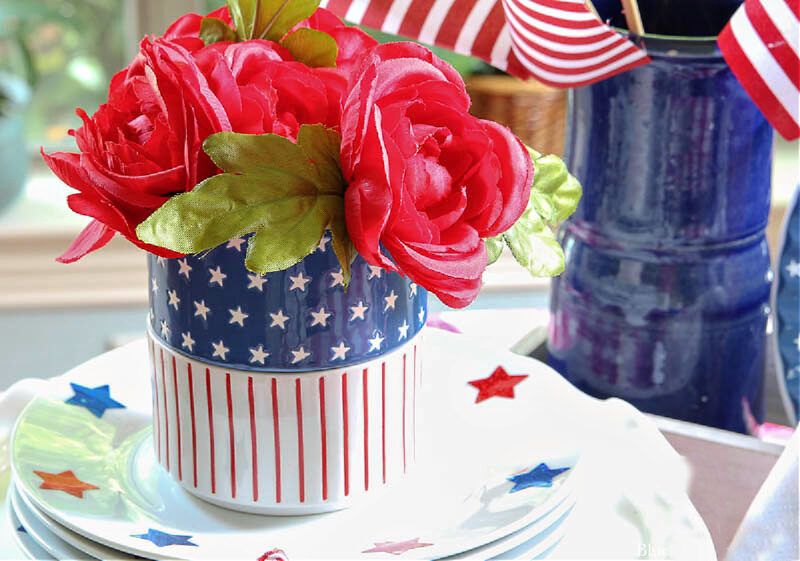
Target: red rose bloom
427,181
145,144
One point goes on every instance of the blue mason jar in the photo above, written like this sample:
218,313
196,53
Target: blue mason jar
665,296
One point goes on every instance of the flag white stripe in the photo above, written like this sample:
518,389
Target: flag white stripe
570,79
556,13
565,48
550,28
433,22
395,16
784,20
501,49
568,63
472,25
356,11
767,67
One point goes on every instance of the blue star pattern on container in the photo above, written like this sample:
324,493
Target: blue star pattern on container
540,476
96,400
212,308
163,539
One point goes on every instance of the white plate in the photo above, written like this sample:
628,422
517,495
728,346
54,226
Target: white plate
22,538
46,530
457,500
528,543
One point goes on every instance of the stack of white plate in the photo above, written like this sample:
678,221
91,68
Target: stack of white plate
547,473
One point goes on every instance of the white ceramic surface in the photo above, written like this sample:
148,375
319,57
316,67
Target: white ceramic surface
285,443
23,540
50,531
473,447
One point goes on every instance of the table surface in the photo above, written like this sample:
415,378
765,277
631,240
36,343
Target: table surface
727,468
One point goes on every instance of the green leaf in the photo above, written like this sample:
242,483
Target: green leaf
494,247
534,245
269,19
311,47
214,30
287,193
555,192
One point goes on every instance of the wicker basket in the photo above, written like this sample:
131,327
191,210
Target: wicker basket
535,112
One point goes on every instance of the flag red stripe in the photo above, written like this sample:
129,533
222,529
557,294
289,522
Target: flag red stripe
301,472
166,415
177,418
324,438
582,69
487,36
773,39
253,436
453,23
231,441
211,432
561,5
573,84
383,418
345,440
194,426
415,18
276,440
366,431
755,86
565,22
339,6
376,13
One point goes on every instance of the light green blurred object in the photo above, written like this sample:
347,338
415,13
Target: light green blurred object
14,98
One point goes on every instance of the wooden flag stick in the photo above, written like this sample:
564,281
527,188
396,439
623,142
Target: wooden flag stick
632,16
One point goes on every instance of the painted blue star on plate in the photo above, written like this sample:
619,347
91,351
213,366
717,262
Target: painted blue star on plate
96,400
540,476
22,529
163,539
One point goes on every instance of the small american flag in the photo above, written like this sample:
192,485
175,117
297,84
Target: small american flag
760,44
559,42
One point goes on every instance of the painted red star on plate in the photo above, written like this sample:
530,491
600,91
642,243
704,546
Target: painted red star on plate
274,555
499,384
396,548
64,481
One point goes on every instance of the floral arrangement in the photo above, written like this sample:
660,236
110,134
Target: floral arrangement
273,117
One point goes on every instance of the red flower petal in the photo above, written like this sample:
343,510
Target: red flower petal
93,237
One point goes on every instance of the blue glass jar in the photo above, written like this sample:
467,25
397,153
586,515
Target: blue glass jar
665,296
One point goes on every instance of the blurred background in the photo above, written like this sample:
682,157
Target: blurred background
56,55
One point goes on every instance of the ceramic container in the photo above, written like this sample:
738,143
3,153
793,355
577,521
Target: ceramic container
665,297
283,394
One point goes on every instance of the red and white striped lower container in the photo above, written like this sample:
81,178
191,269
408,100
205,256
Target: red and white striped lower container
285,443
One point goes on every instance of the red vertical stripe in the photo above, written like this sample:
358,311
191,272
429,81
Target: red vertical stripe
453,23
155,401
300,459
177,419
414,413
346,436
166,415
253,437
324,439
232,443
415,18
366,431
383,418
276,435
404,413
194,426
211,432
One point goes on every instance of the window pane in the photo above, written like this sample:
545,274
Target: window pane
68,50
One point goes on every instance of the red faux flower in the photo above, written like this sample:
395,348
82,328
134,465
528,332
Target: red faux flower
145,144
427,181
